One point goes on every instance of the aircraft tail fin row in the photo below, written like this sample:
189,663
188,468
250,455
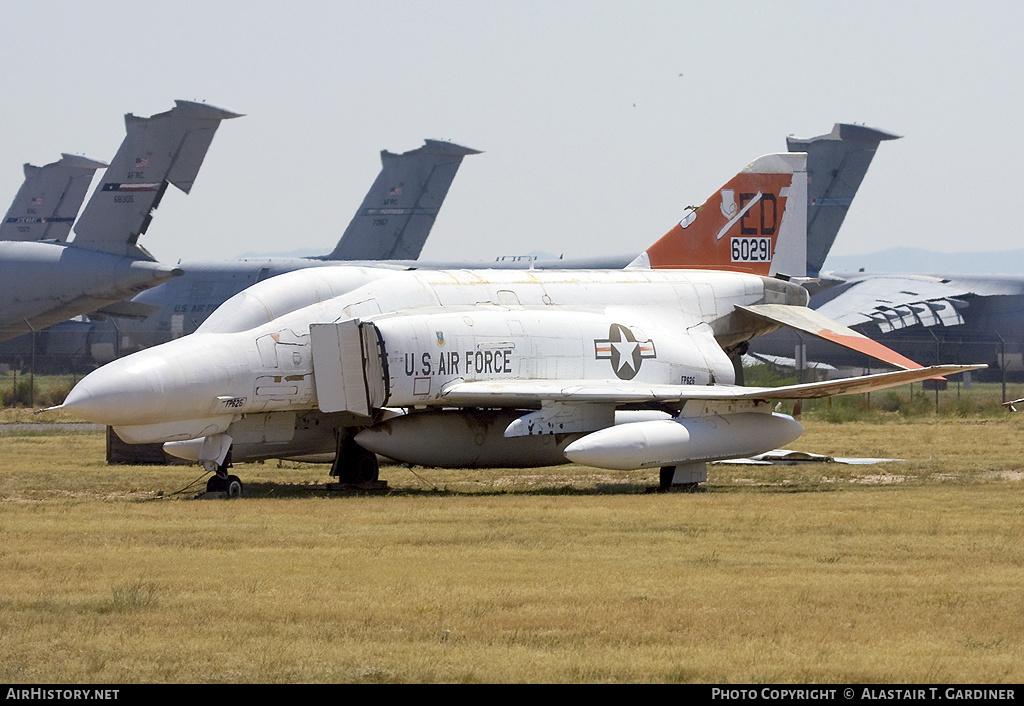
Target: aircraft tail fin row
49,199
399,210
166,148
757,223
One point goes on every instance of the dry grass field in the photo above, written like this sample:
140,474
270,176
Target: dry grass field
910,571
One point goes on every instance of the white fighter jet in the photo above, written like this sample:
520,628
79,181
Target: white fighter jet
619,369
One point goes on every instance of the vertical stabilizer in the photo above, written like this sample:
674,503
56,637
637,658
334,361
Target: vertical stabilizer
836,165
756,223
167,148
49,199
398,212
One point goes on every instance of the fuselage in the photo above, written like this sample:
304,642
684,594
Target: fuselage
254,356
31,297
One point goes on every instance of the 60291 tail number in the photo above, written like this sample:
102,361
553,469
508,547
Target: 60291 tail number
755,249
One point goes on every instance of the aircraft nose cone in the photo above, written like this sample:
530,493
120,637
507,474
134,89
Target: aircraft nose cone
116,394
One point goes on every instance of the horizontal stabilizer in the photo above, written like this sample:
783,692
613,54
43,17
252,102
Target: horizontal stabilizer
166,148
811,322
204,121
527,393
49,199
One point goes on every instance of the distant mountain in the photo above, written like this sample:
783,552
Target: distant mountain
918,261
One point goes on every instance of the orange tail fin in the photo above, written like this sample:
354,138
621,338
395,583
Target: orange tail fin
756,223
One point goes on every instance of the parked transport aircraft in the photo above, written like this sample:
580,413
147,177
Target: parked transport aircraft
46,278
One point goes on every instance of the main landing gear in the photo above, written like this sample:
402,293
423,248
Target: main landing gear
684,478
355,467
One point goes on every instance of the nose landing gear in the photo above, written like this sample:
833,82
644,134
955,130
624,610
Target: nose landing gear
220,481
215,455
229,485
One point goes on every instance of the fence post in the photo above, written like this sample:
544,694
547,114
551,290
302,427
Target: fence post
32,368
1002,362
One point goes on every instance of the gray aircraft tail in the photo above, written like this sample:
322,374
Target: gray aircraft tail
836,165
166,148
399,210
49,199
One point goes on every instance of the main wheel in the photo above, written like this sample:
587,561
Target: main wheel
233,486
665,477
367,469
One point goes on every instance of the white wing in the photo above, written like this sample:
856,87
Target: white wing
531,393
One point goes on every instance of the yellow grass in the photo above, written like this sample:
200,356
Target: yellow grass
901,572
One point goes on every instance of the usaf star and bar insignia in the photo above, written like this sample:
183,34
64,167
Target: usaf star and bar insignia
625,352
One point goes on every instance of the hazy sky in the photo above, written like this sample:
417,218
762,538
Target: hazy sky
600,121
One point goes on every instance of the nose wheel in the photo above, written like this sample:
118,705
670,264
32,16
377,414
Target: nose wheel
231,485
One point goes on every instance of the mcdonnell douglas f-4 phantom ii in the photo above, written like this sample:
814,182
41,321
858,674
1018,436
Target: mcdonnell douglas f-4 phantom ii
620,369
46,279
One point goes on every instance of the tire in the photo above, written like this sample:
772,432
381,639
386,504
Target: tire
233,486
367,470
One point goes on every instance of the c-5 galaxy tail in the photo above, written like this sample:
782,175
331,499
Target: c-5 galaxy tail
398,212
49,199
836,165
166,148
